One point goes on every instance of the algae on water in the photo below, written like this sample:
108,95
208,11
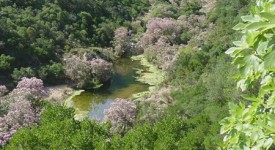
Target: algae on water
69,101
152,75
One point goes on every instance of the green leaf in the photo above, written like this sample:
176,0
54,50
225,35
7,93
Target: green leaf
262,47
239,26
250,98
268,143
251,65
260,25
242,84
248,18
270,17
226,126
232,50
269,61
240,43
251,38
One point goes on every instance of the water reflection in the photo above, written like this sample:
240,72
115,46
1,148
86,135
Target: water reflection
123,85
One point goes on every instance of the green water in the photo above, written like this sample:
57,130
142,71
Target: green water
123,85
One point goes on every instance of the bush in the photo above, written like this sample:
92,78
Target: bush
53,73
163,10
157,28
122,115
20,114
22,72
121,41
87,73
190,7
58,130
5,62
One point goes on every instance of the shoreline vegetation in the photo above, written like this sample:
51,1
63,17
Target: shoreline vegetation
172,91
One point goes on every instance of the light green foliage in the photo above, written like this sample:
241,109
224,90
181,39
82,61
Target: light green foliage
153,75
5,62
252,126
58,130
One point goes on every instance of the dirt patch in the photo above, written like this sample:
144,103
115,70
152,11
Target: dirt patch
58,94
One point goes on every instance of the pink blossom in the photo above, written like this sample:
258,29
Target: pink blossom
21,114
158,27
122,115
86,72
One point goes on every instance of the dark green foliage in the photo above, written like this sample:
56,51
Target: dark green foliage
5,62
203,79
225,15
22,72
191,7
37,32
53,73
201,76
58,130
171,132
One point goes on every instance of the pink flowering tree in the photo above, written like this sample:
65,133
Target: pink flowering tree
26,89
121,41
160,27
122,115
20,114
18,108
31,86
153,105
159,41
87,73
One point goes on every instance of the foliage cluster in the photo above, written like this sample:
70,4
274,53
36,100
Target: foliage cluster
251,125
37,33
198,38
20,107
58,130
122,115
87,72
202,71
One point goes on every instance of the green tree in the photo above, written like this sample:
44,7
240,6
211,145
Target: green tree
251,124
59,130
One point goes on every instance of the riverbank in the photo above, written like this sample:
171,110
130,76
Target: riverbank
57,94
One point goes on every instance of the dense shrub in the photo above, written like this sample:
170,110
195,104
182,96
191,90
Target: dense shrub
158,27
121,41
18,74
35,32
163,10
122,115
153,105
53,73
87,73
5,62
162,54
18,108
58,130
159,41
20,114
29,86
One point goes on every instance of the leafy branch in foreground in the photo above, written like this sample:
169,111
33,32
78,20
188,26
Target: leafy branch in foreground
252,125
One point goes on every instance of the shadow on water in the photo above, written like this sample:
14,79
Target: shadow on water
122,85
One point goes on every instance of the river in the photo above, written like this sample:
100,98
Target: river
123,85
